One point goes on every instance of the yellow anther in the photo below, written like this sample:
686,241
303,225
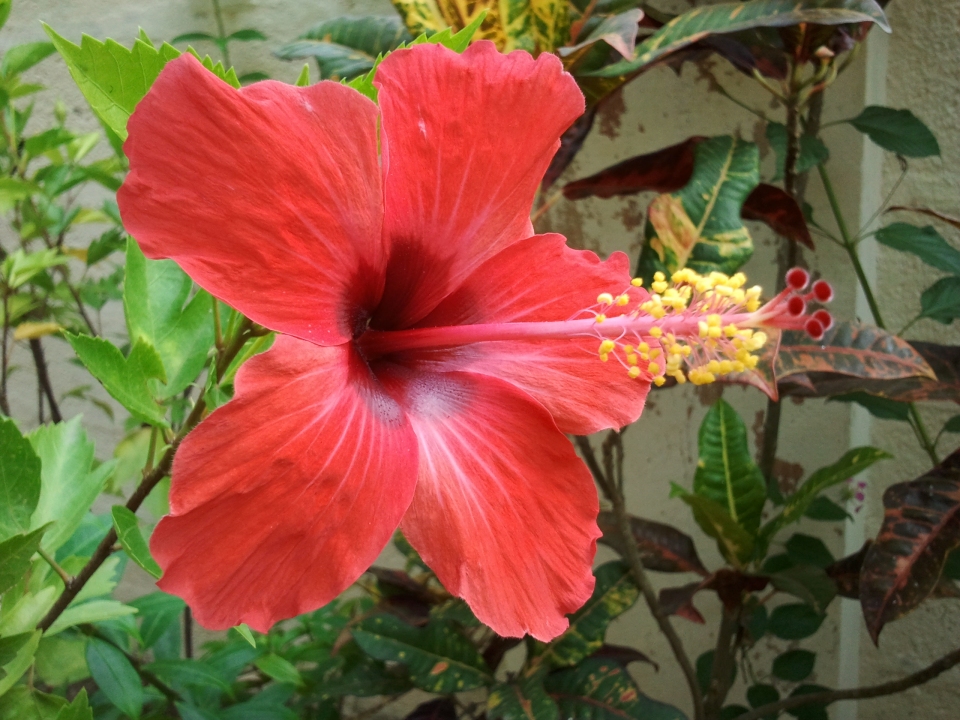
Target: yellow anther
714,320
687,350
659,286
713,366
653,368
623,300
753,305
752,361
600,318
628,349
604,357
704,328
643,347
637,282
659,276
655,353
726,367
634,372
656,332
680,377
658,381
715,332
658,312
730,330
738,280
632,359
738,366
759,340
675,349
607,346
605,299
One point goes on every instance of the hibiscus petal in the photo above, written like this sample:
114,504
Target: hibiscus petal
534,280
284,496
466,140
269,197
504,512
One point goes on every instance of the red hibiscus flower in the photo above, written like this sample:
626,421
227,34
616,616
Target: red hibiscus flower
276,200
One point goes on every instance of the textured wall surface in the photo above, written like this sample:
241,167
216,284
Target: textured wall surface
659,109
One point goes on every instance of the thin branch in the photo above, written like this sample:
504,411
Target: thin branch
48,558
861,693
609,487
43,378
150,480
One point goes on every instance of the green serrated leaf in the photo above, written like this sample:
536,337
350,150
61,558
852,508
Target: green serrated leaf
127,379
852,463
18,267
726,472
700,226
602,690
160,310
90,612
79,709
69,480
734,543
614,593
899,131
924,242
23,57
437,657
730,17
19,480
23,659
157,612
15,555
941,301
111,77
128,533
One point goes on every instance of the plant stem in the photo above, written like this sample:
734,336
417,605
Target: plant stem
4,357
48,558
723,658
850,245
616,498
43,379
861,693
187,633
150,480
221,34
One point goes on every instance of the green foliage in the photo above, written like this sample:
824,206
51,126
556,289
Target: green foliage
71,479
726,472
15,555
614,593
23,57
812,150
700,225
438,658
726,18
794,665
524,699
129,380
794,621
941,301
898,131
114,674
346,47
852,463
128,533
603,690
924,242
879,407
19,480
164,314
735,543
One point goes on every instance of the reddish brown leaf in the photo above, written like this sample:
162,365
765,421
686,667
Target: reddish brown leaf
944,360
662,171
679,601
440,709
921,525
852,349
497,648
777,208
845,572
662,547
729,584
570,143
623,655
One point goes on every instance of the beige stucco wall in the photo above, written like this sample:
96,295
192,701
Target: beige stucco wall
659,109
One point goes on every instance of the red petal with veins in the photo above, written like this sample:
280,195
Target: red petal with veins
269,197
541,279
284,496
504,512
466,140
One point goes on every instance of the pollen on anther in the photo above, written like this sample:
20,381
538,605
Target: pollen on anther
605,299
637,282
600,318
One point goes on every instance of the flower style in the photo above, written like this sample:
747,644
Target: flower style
274,199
